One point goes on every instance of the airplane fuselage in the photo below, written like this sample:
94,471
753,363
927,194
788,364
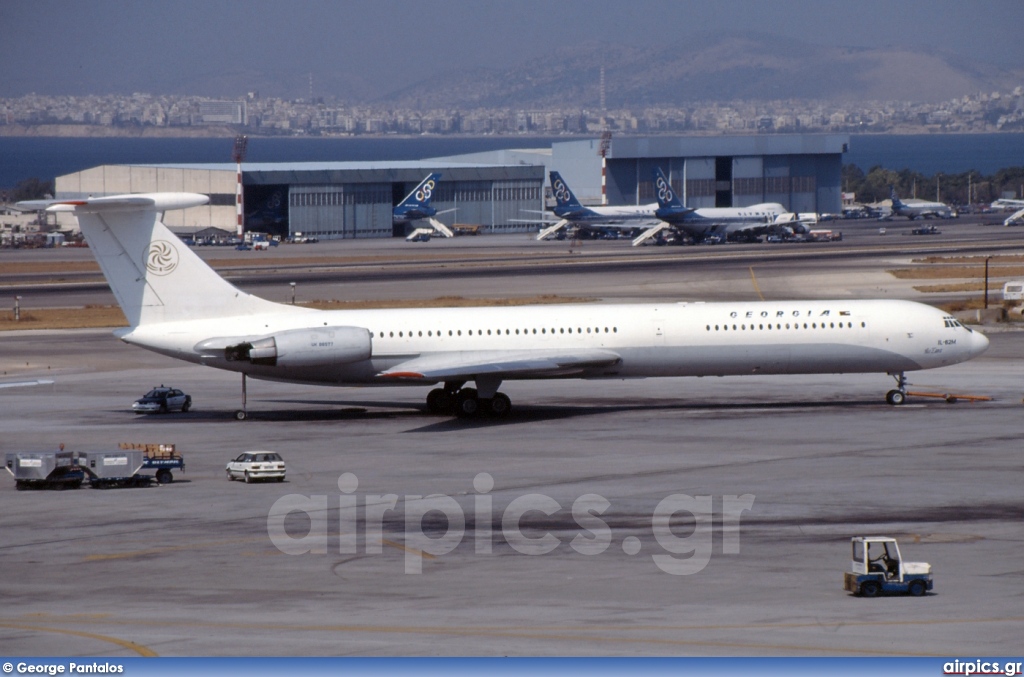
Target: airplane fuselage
921,209
650,340
607,214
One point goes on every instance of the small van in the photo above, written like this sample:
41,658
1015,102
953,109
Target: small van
1013,291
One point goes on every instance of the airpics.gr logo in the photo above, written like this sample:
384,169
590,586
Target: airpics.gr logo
161,258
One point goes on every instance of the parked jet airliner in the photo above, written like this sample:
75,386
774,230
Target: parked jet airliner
416,206
918,208
178,306
699,223
571,212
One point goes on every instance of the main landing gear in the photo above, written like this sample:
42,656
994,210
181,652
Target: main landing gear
242,414
484,400
897,396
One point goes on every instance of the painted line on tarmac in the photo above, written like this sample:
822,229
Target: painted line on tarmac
170,548
132,646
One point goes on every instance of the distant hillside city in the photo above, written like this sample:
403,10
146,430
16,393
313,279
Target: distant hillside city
168,115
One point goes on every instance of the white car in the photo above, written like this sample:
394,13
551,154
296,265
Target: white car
256,465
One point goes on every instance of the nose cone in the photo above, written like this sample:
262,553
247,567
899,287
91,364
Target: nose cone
979,343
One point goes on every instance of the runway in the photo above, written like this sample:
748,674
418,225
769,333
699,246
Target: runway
792,467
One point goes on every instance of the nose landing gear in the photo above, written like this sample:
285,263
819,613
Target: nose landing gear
898,395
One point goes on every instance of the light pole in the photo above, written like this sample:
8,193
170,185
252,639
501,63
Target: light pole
293,286
987,259
17,308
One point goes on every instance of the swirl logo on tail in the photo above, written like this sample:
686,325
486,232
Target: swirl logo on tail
424,193
561,192
664,190
161,258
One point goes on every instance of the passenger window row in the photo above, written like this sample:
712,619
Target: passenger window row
502,332
787,325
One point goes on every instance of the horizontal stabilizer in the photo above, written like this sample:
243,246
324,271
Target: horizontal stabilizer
159,202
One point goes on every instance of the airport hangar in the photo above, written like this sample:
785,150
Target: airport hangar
500,189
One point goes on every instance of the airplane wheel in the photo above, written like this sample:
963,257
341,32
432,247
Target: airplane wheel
439,401
466,404
895,397
499,406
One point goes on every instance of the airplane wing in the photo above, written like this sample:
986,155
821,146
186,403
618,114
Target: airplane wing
501,364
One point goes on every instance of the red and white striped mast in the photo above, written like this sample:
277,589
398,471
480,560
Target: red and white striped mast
241,141
606,142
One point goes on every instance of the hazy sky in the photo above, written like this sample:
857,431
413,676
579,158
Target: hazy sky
182,46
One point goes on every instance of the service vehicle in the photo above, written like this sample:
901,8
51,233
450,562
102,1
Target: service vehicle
877,568
1013,290
256,465
162,399
124,468
45,469
824,236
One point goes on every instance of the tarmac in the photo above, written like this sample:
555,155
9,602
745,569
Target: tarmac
640,517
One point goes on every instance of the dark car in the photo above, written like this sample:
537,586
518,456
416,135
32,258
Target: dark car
162,400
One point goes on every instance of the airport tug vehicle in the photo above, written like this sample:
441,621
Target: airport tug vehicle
877,568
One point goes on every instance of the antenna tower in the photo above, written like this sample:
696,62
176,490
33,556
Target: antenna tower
238,155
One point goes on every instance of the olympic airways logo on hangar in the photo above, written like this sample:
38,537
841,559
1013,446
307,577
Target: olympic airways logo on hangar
424,193
161,258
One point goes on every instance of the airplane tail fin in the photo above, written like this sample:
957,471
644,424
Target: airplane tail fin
153,275
421,195
564,199
667,198
896,202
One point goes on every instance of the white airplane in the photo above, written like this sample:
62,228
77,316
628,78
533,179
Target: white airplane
1010,204
918,208
178,306
1007,204
701,223
570,211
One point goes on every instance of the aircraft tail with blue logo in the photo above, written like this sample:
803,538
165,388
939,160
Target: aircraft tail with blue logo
896,202
670,207
565,201
416,204
667,198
